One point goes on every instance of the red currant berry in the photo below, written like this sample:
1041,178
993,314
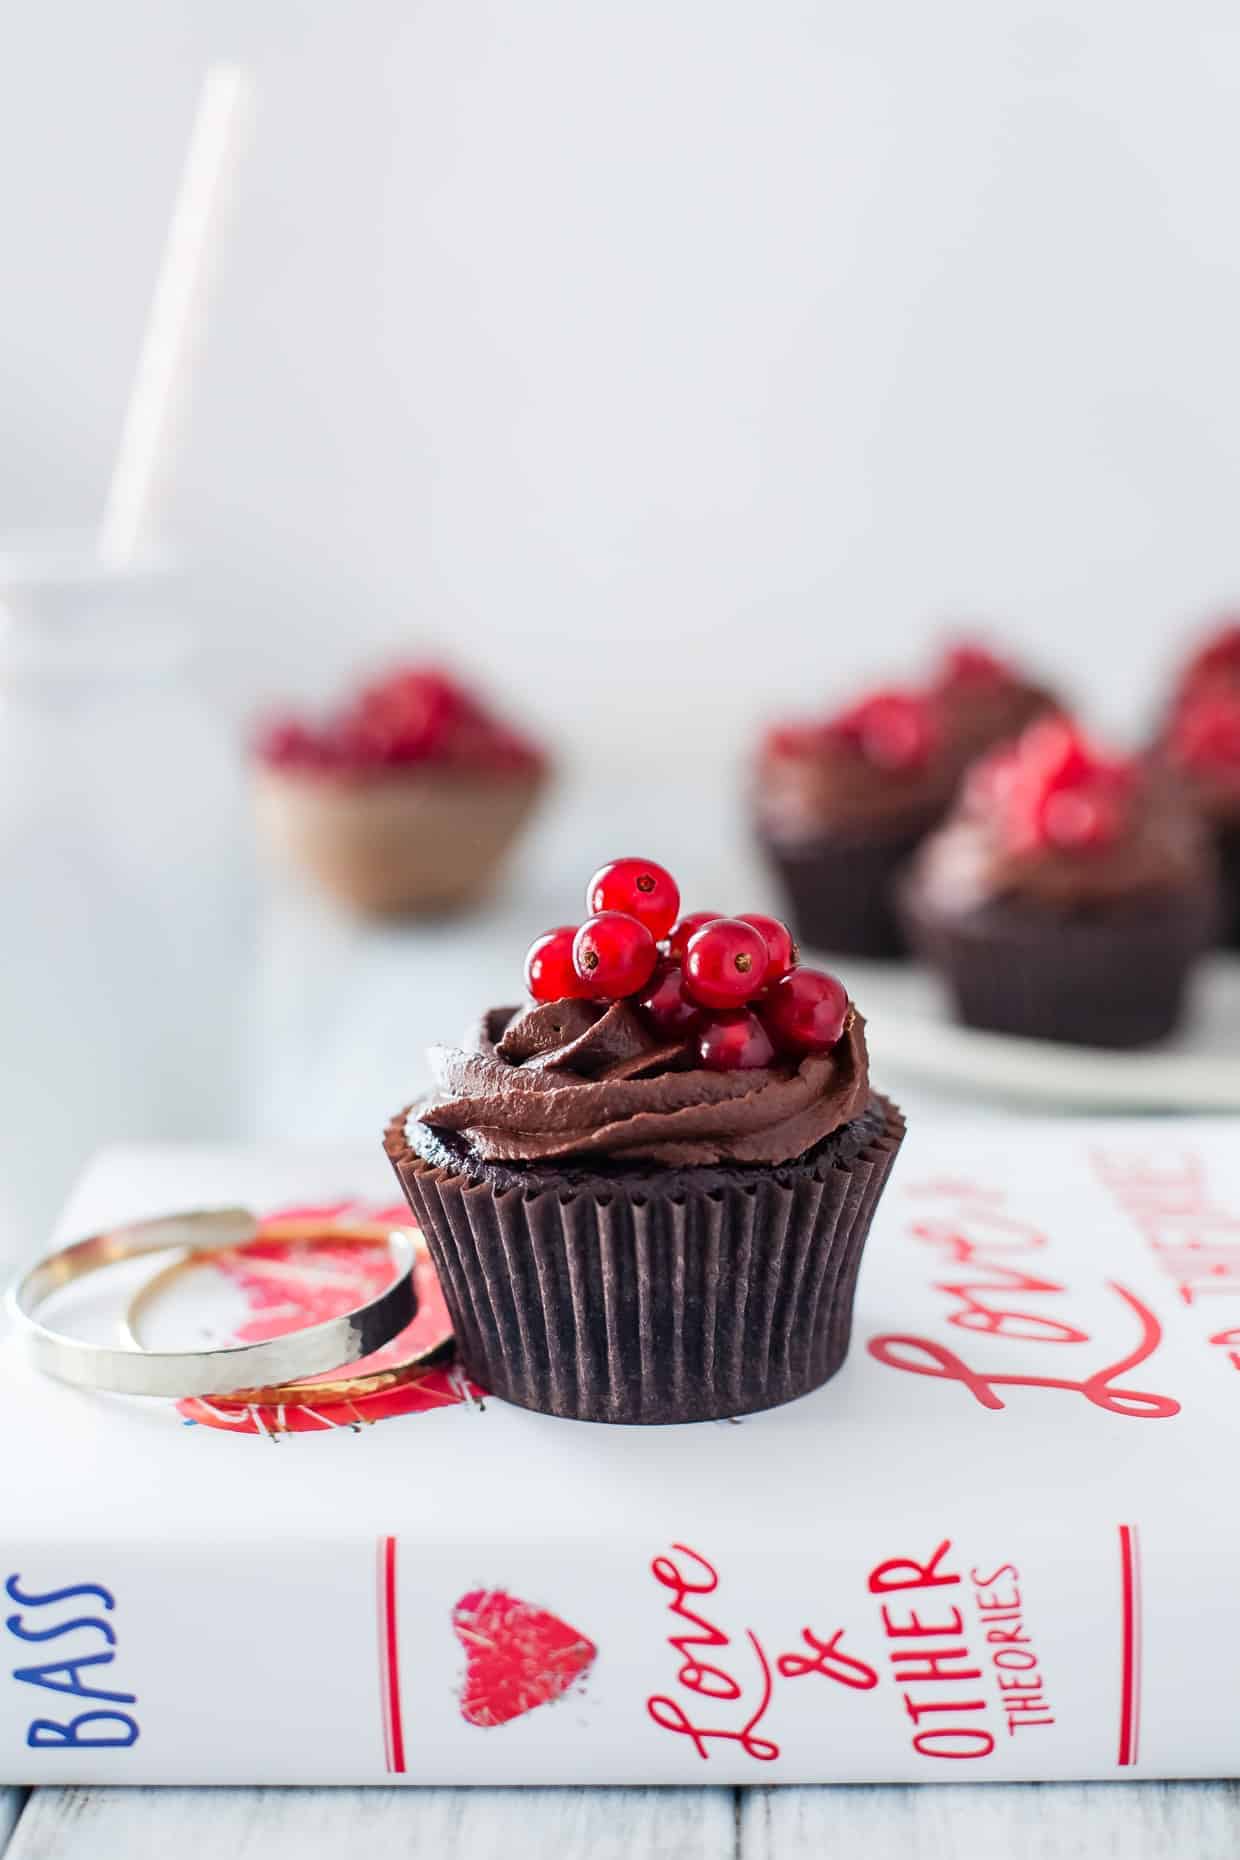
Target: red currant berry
894,730
640,889
1218,660
1206,736
735,1041
726,963
285,742
689,926
805,1011
666,1004
414,710
1063,793
780,946
549,971
1080,818
614,955
969,666
1055,754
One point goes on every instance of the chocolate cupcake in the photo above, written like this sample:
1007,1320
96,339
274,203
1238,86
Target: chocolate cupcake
404,803
645,1206
840,805
1068,896
1200,745
983,700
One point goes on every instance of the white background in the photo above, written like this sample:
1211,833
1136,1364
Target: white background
671,357
667,362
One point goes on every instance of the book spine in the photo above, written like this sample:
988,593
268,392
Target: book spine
957,1650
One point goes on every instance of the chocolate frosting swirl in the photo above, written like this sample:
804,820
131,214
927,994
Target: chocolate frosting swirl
831,788
976,718
588,1081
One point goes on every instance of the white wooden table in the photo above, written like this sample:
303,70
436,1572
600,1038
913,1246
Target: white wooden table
340,1018
1130,1821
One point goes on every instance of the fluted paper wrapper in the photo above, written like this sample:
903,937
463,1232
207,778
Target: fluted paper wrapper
840,892
598,1303
1228,844
1118,979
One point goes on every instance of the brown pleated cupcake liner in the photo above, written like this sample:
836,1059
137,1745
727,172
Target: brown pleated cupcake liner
1228,844
1114,979
840,891
694,1302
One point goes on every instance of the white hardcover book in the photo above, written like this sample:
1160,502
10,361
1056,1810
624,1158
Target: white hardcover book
1003,1543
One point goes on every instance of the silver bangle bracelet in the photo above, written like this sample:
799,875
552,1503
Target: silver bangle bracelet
177,1373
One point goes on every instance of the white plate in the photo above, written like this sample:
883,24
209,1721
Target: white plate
910,1032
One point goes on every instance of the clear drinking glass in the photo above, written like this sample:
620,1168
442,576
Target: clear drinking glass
125,933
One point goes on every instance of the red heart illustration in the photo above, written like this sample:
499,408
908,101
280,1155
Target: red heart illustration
516,1656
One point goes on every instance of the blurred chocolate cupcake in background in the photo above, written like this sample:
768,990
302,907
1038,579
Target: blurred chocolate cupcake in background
404,802
984,699
1200,744
840,804
1068,896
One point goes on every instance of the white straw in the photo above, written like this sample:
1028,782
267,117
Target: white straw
143,454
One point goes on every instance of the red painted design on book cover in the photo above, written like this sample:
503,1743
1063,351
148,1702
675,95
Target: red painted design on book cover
517,1656
1130,1678
298,1273
389,1660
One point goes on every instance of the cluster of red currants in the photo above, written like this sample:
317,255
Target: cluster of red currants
900,729
1053,790
896,730
729,984
414,715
